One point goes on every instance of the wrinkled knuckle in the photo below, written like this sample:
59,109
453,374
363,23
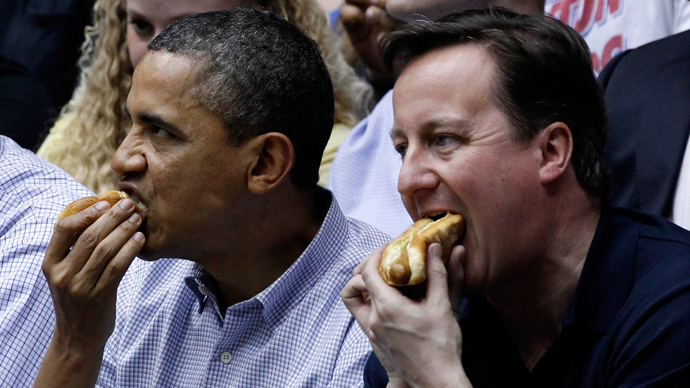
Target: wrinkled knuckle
439,270
102,251
89,238
128,227
374,327
60,280
61,227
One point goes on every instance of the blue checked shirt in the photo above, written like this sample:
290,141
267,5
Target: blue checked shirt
364,174
32,193
170,332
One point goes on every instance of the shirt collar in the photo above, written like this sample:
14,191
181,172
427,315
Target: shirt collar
288,290
204,288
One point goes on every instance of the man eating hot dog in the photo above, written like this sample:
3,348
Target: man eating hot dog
499,118
231,112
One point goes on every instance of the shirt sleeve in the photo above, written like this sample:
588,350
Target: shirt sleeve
352,358
26,309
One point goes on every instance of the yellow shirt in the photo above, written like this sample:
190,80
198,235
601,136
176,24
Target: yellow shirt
338,135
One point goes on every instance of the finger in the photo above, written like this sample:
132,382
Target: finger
379,17
94,234
117,267
355,296
375,284
456,272
67,230
437,276
108,250
360,3
354,23
354,289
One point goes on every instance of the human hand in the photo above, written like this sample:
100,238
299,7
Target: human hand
418,342
366,22
83,280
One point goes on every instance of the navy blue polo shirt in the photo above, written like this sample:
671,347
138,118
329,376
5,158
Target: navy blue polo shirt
628,324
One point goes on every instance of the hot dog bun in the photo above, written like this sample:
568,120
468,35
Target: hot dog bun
111,197
404,260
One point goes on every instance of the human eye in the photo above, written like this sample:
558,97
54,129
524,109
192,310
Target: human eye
159,132
444,140
141,27
401,149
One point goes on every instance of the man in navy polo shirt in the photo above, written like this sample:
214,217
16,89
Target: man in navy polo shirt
499,118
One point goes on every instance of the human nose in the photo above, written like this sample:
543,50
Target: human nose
129,157
416,173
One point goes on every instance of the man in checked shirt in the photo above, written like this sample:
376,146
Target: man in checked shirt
231,111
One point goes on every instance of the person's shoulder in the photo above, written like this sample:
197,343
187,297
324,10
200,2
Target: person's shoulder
650,56
366,234
654,227
21,167
29,183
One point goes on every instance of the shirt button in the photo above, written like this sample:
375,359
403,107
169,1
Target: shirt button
225,357
203,289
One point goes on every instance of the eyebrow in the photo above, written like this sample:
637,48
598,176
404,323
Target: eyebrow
156,120
433,124
396,132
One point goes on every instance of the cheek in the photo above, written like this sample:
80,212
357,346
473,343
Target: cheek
136,46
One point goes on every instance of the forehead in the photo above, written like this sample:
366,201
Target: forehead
451,83
163,82
169,10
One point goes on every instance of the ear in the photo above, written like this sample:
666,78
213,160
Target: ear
556,145
275,157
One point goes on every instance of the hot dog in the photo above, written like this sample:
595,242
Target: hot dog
404,260
111,197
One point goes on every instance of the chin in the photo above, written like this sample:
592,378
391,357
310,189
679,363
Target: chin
150,253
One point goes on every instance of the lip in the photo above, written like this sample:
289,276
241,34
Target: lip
133,191
436,214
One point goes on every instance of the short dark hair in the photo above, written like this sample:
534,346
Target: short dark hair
259,74
544,75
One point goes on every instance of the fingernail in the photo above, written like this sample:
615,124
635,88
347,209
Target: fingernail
103,205
126,204
139,236
134,218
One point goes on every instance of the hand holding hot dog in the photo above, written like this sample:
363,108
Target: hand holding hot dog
400,329
83,282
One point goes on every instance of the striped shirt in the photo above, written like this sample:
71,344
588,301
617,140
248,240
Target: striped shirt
32,193
170,332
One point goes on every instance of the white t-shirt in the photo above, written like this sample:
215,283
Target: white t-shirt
613,26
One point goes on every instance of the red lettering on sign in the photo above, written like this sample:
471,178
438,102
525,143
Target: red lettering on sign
593,11
587,18
612,48
562,10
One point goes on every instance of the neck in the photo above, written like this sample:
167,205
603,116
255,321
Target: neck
269,241
534,306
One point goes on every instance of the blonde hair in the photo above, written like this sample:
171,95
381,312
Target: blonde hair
93,124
